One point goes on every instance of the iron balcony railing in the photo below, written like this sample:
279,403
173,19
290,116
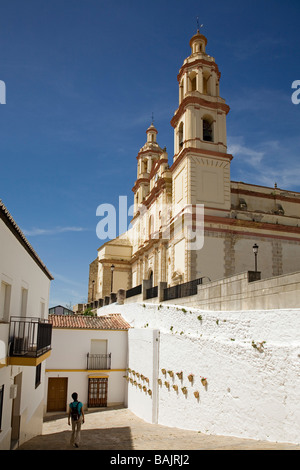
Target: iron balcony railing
182,290
98,361
152,292
29,336
134,291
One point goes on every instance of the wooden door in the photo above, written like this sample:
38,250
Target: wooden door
57,394
97,392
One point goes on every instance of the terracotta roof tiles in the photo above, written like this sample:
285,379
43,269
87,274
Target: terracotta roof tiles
113,321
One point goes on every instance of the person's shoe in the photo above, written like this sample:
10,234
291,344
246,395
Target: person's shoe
76,445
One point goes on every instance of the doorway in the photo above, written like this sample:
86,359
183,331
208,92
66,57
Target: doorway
151,278
16,411
97,395
57,394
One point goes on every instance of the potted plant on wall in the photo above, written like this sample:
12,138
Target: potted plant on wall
204,381
191,377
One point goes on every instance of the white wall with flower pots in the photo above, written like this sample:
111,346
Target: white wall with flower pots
249,359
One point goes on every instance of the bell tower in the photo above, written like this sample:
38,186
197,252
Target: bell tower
201,164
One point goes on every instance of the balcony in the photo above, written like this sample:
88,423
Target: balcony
98,361
29,340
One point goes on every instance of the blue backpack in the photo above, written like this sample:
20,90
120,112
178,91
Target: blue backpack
75,414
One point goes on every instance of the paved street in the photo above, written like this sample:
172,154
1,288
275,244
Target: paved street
119,429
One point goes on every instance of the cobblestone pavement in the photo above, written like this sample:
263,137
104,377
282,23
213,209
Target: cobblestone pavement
119,429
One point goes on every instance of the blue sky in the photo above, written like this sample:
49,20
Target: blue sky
83,78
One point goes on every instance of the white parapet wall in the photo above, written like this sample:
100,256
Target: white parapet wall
250,360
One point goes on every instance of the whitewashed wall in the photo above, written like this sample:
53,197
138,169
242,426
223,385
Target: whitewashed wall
143,350
250,393
19,270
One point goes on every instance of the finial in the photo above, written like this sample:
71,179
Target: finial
152,118
198,27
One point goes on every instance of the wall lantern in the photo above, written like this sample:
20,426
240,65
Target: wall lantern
112,276
255,251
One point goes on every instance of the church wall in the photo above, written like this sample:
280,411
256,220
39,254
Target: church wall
121,279
180,257
209,261
210,182
290,256
93,276
244,256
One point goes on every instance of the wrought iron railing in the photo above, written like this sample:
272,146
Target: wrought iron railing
98,361
182,290
152,292
29,337
134,291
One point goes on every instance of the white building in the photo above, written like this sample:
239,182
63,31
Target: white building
25,335
89,357
190,220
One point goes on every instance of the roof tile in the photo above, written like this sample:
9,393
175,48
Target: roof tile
113,321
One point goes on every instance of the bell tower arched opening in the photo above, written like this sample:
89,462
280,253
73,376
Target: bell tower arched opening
208,129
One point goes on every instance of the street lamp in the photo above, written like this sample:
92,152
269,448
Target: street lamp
112,277
255,251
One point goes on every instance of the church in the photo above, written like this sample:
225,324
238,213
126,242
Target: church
190,221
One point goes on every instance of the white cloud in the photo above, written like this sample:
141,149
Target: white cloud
269,162
40,231
254,157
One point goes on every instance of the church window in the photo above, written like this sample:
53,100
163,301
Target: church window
208,130
180,136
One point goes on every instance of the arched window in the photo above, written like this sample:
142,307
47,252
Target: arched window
180,136
193,81
208,130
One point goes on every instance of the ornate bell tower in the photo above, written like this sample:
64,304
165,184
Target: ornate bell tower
201,164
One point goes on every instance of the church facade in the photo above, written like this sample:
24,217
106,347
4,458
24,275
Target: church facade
190,220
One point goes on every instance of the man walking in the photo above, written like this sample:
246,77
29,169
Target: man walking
76,415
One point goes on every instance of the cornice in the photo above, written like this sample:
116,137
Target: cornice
275,196
198,62
201,152
196,100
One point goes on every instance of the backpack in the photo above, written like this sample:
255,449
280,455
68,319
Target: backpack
74,412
